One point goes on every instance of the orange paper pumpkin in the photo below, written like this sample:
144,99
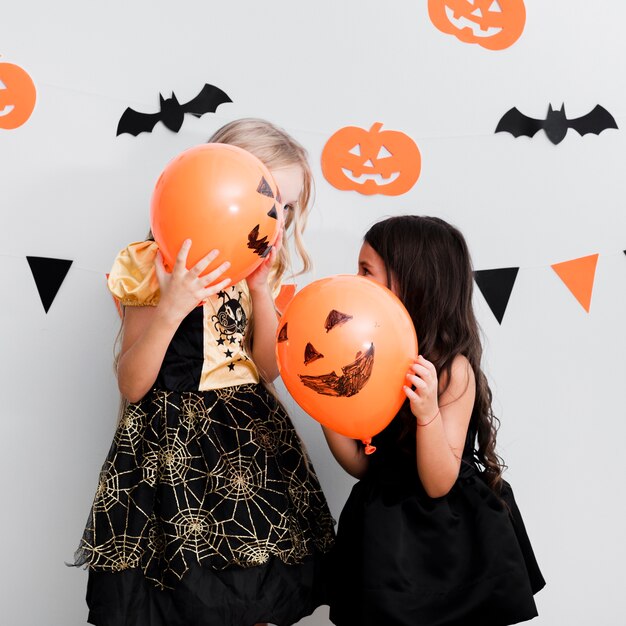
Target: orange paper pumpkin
221,197
17,96
344,346
492,24
371,161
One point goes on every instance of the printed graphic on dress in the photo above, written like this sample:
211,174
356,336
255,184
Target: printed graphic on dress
230,320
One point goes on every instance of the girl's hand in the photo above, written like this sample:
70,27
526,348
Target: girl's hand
258,279
424,404
183,289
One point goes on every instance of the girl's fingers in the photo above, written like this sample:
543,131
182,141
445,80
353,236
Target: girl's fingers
426,363
269,259
424,368
417,382
181,257
213,289
215,274
279,240
204,262
410,394
159,267
421,371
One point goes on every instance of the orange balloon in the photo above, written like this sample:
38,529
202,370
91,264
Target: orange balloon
221,197
344,347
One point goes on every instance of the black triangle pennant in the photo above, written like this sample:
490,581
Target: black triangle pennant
49,275
496,286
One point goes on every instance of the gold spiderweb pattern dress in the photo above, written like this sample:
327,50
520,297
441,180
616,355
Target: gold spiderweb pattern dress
207,510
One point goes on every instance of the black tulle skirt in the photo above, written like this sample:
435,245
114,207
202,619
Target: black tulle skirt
207,512
275,592
404,559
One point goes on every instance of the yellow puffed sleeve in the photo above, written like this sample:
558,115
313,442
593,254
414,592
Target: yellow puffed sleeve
132,279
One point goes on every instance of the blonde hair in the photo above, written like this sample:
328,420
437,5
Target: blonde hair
277,149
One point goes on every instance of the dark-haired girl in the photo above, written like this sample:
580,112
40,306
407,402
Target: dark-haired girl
431,534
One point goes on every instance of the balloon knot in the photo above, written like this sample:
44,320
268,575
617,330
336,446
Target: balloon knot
369,448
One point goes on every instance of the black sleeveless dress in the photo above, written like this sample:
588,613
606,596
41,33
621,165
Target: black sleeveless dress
405,559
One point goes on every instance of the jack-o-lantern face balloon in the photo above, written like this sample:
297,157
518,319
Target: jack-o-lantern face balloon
221,197
17,96
371,161
344,347
492,24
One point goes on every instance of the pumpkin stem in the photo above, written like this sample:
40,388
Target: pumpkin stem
376,127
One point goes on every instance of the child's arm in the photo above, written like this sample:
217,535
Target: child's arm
348,452
264,316
441,423
148,331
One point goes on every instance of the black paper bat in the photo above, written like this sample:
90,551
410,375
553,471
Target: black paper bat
556,123
171,112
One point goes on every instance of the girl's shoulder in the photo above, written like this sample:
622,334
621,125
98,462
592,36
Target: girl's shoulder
460,380
132,279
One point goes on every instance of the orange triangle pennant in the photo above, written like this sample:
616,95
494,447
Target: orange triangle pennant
578,276
284,297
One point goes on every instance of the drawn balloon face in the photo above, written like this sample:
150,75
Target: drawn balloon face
492,24
371,161
221,197
344,346
17,96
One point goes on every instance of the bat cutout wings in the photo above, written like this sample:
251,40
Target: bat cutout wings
556,123
172,113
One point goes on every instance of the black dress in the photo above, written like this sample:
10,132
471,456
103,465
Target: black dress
207,510
405,559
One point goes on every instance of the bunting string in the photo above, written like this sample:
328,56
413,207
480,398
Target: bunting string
290,128
495,284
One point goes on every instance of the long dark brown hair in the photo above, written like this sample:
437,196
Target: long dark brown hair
429,263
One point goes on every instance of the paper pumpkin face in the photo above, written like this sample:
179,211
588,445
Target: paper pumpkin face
492,24
17,96
221,197
371,161
344,346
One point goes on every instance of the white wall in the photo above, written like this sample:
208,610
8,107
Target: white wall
71,189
